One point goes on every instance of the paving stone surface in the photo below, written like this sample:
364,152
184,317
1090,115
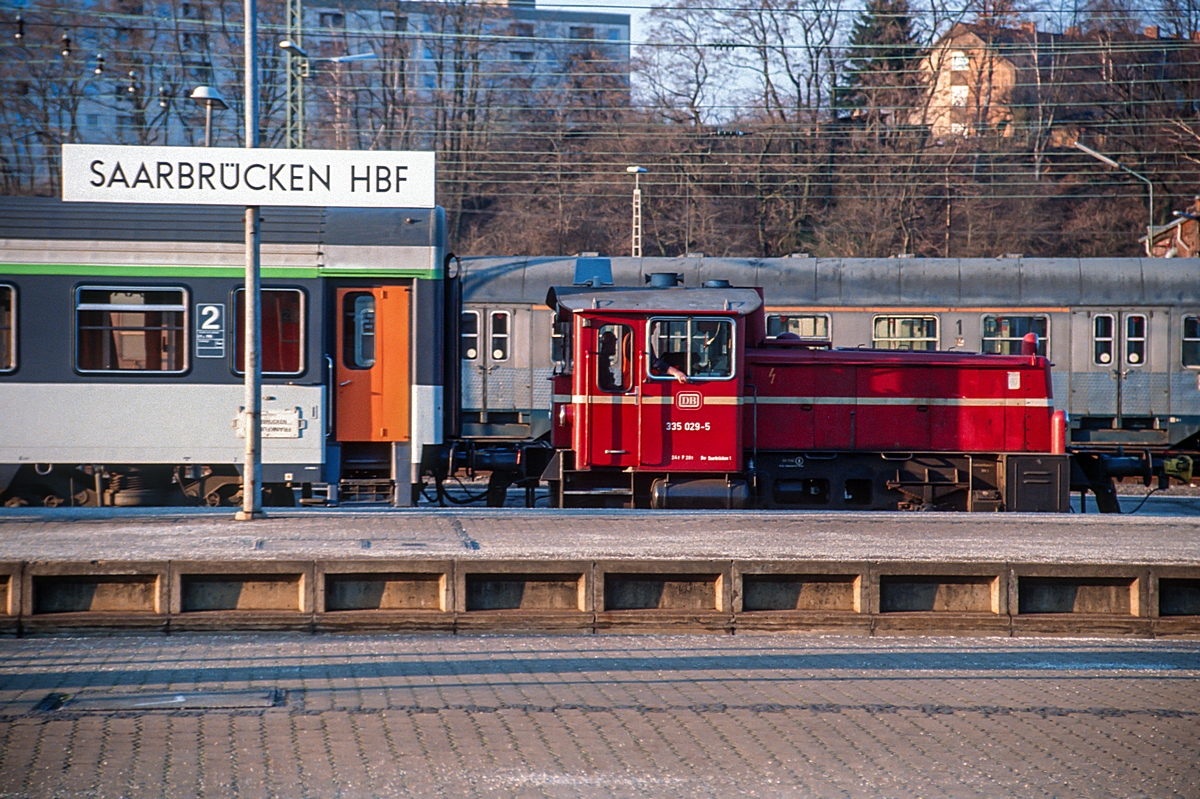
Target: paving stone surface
160,534
598,716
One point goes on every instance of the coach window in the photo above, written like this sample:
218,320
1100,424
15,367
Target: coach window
358,330
500,324
130,329
1003,335
1191,341
282,331
469,335
1102,339
905,333
8,328
807,326
614,358
700,347
1135,339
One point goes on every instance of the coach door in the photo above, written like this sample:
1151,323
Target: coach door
372,392
610,351
1124,374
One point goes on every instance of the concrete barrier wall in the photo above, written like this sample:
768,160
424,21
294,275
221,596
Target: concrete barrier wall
621,596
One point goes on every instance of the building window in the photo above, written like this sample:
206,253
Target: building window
1003,335
522,56
959,61
522,29
582,32
1135,339
500,326
93,120
1102,339
8,328
1191,341
126,329
390,22
358,330
469,335
697,346
614,34
282,331
332,19
614,358
905,333
806,326
959,95
195,41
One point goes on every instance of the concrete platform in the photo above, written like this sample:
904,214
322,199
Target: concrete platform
72,570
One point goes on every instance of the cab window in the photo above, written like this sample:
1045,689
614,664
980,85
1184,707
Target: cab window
699,347
130,329
614,358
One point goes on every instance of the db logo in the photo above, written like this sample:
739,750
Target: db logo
689,400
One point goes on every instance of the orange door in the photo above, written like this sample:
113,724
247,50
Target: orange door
372,364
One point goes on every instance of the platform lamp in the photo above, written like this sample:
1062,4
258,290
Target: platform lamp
1106,160
636,237
210,98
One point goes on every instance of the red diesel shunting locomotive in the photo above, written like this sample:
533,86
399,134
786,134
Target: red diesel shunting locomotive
676,398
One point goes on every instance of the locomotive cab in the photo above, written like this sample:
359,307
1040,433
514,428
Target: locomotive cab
650,404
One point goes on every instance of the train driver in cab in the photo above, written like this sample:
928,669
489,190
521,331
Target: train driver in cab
666,364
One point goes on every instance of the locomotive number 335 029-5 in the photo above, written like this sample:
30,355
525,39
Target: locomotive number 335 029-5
689,426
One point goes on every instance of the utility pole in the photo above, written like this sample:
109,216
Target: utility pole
296,69
252,299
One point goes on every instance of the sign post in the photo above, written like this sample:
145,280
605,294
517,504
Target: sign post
252,464
250,178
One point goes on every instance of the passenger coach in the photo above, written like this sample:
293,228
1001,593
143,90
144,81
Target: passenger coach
1123,334
121,351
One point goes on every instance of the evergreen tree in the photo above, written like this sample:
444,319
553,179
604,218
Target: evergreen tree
881,62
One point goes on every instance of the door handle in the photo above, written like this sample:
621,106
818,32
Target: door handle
345,383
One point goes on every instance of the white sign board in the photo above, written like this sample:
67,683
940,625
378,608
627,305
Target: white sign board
240,176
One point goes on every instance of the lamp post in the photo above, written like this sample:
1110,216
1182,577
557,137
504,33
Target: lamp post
296,75
636,237
1105,159
210,98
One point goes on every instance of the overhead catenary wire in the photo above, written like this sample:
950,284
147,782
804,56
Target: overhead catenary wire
579,124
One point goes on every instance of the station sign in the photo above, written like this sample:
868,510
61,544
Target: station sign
241,176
